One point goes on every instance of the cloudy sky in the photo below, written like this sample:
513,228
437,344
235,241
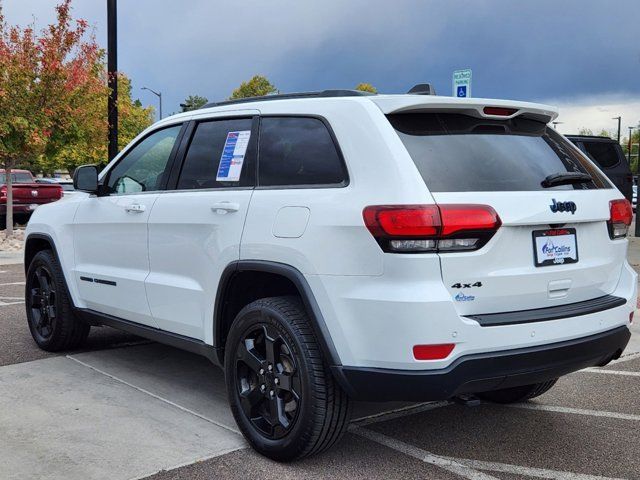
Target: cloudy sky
582,55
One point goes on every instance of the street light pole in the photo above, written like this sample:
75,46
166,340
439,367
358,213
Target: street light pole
159,95
619,122
112,76
555,124
629,146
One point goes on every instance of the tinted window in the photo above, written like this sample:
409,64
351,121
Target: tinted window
220,154
604,154
16,178
144,168
459,153
298,151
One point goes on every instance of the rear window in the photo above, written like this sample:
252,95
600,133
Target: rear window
604,154
459,153
16,178
298,151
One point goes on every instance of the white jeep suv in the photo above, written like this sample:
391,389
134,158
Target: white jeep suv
332,246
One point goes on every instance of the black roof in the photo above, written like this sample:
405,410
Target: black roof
286,96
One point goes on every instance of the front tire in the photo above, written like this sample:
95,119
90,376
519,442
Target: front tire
517,394
52,323
282,393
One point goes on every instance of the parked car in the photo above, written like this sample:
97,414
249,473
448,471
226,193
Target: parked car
67,185
27,195
335,246
608,155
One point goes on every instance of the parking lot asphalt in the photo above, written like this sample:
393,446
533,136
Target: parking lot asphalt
125,408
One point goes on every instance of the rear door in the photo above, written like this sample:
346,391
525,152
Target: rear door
503,164
195,230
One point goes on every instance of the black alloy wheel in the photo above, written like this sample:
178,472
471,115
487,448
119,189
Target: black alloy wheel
268,381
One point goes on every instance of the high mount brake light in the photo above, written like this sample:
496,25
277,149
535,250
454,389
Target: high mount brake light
621,215
499,111
431,228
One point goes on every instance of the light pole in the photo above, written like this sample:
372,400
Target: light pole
555,124
619,121
630,144
112,76
159,95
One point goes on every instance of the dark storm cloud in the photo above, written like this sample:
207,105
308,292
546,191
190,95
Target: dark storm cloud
525,50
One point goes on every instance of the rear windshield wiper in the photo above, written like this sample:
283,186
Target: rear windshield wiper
566,178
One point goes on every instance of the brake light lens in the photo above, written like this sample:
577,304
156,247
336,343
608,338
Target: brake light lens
432,352
431,228
621,215
499,111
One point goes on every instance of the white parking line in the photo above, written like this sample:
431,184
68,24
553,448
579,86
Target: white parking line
180,407
11,283
625,358
611,372
449,464
468,468
5,304
576,411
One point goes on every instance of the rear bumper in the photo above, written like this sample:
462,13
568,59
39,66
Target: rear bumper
484,372
18,209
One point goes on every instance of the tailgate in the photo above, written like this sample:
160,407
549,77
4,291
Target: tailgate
503,276
37,193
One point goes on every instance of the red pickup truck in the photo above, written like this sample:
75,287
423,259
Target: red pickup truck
27,195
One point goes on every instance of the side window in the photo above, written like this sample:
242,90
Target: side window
221,154
298,151
144,168
603,153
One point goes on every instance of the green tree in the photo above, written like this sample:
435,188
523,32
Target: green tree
257,86
90,145
47,81
366,87
585,131
193,102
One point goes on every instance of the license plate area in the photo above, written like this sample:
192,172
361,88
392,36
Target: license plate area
555,246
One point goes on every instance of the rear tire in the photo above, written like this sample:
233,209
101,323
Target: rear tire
50,316
274,365
517,394
3,222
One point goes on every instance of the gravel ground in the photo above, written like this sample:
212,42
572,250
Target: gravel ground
13,243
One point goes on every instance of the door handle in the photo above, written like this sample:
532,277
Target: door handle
135,208
223,208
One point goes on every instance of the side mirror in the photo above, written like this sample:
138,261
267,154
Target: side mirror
85,179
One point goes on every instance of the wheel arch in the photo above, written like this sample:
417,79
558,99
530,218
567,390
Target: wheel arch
36,242
244,281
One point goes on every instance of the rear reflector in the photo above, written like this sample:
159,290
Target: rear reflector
499,111
432,352
621,215
430,228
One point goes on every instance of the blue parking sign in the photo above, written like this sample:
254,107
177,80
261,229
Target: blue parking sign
462,91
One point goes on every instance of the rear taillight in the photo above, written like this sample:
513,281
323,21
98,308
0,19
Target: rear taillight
621,215
3,194
499,111
60,192
431,228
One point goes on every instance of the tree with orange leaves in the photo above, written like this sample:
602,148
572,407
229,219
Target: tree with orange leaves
48,85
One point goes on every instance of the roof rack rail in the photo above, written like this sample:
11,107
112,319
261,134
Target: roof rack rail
287,96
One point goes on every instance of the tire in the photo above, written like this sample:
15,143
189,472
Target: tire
517,394
3,222
50,316
312,410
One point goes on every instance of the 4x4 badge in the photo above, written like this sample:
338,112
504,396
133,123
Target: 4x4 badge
563,206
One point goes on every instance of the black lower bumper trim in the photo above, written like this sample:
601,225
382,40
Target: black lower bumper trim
484,372
556,312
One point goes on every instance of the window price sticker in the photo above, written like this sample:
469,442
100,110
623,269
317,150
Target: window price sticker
235,148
